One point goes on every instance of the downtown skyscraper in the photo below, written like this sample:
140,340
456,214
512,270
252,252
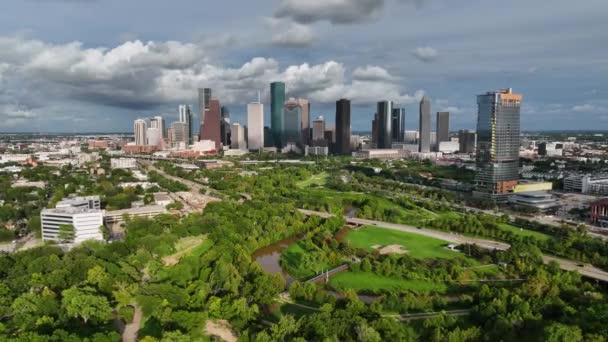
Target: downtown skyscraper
292,122
343,132
185,116
398,124
255,126
204,97
498,140
210,129
277,118
443,127
425,125
140,128
384,125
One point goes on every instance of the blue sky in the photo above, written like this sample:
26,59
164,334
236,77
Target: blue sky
95,65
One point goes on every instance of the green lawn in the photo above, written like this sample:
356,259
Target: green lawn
186,246
418,246
524,232
362,281
318,179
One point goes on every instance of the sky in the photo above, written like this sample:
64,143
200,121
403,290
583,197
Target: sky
96,65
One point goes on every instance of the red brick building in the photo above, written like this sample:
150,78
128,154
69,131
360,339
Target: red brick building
599,212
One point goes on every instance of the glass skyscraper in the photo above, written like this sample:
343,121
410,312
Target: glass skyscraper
342,145
292,122
384,125
277,101
498,133
398,124
425,125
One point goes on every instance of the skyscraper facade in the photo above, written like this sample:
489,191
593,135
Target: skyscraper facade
277,101
425,125
292,125
185,116
237,138
305,104
398,124
384,124
342,145
255,126
179,131
467,141
443,127
318,131
498,140
210,130
154,136
225,126
158,122
204,97
139,130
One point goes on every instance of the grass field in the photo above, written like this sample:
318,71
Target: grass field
362,281
524,232
185,246
293,262
318,179
418,246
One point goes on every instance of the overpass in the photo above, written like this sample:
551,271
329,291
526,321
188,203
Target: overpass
585,270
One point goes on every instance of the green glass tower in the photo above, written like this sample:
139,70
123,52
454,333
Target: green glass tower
277,100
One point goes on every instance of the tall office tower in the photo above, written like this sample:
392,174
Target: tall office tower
225,126
210,130
305,104
384,125
185,116
255,126
342,127
318,130
425,125
158,122
497,144
398,124
139,130
268,141
292,122
467,141
154,136
443,127
375,130
277,101
237,136
179,134
204,97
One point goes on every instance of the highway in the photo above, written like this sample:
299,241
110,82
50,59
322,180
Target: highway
565,264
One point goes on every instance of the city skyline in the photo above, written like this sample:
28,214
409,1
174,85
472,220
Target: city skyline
55,80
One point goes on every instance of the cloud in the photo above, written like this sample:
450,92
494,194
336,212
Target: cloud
144,76
583,108
334,11
372,73
286,33
425,54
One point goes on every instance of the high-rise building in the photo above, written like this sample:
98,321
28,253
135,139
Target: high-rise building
179,131
384,125
443,127
139,130
318,130
305,104
498,140
292,124
425,125
237,140
225,126
210,130
204,97
398,124
185,116
375,130
255,126
467,141
277,101
154,136
158,122
342,145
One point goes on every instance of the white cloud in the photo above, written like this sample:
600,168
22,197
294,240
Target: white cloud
334,11
372,73
137,75
425,54
584,108
286,33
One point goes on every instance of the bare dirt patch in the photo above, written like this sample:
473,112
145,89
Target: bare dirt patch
390,249
220,328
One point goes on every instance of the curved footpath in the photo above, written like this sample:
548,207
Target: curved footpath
565,264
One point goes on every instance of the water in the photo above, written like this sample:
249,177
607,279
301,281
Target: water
268,257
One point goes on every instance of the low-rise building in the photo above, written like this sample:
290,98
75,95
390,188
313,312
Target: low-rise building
380,154
539,200
123,163
73,220
162,198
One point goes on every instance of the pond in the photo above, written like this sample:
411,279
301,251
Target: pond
268,257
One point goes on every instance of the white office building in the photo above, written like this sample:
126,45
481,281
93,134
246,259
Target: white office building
237,138
139,129
81,213
123,163
255,126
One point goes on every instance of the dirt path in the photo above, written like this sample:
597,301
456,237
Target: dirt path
221,329
132,329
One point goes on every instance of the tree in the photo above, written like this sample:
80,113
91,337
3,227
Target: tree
84,304
66,232
558,332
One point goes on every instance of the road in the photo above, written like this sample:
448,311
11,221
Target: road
567,265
